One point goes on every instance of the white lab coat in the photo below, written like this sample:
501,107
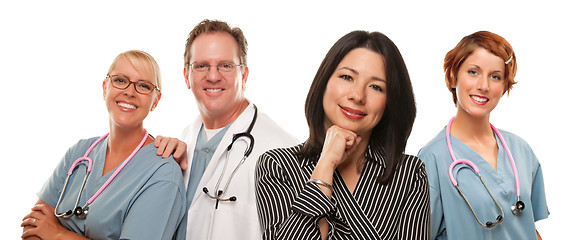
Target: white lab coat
237,219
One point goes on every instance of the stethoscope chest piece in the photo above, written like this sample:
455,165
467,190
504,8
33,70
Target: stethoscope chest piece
81,212
517,207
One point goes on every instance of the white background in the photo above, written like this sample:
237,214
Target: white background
54,56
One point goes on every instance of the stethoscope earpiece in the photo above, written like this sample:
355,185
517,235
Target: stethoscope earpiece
499,219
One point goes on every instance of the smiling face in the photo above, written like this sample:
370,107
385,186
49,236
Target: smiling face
219,95
480,83
127,107
355,97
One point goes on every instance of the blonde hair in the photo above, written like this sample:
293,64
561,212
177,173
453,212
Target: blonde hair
141,61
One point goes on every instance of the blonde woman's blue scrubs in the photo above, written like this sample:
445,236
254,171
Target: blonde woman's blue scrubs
451,217
145,201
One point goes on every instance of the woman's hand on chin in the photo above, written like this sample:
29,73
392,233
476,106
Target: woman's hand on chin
338,145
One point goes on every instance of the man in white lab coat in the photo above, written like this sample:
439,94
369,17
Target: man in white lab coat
221,198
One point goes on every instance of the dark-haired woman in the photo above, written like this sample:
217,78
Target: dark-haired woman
350,179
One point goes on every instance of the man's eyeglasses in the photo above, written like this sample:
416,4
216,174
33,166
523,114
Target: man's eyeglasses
224,67
122,82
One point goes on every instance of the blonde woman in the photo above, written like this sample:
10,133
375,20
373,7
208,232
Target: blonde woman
129,192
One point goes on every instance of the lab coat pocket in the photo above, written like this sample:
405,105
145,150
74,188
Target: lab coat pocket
236,222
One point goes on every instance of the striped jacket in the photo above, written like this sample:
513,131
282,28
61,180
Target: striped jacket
289,208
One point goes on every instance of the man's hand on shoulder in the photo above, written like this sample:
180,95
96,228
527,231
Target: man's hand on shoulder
168,146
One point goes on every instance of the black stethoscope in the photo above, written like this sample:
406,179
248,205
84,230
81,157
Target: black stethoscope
250,146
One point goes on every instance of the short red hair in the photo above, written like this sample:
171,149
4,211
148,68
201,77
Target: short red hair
492,42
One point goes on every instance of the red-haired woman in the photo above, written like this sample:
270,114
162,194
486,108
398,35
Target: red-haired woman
484,183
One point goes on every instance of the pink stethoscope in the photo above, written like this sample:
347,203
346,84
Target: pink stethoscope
516,208
81,212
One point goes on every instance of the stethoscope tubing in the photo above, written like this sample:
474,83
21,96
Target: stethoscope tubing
250,146
121,166
85,157
455,160
472,165
84,209
513,166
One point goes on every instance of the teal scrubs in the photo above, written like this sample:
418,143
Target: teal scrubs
451,217
146,200
202,154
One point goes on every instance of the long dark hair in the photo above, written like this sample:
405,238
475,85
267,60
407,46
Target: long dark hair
389,136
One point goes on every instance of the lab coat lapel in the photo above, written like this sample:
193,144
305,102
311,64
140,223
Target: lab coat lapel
214,169
191,140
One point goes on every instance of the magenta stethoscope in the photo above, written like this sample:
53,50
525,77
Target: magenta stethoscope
81,212
516,208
